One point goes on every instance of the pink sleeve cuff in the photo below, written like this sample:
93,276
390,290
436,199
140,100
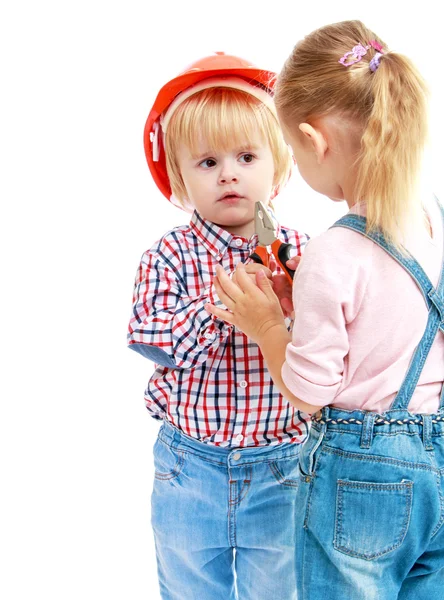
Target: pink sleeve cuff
308,391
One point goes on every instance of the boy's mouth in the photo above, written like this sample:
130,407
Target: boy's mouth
230,196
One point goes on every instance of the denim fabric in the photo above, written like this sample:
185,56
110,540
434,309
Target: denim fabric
369,523
224,519
370,503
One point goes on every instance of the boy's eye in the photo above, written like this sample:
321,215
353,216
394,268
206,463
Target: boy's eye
207,163
248,158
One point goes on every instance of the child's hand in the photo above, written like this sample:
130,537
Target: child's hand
254,309
283,288
251,269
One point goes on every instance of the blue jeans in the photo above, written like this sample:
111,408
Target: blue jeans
370,508
224,519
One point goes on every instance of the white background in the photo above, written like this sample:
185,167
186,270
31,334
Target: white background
78,209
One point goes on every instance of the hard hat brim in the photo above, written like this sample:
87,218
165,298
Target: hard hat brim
169,92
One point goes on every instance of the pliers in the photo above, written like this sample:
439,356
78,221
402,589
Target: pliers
266,233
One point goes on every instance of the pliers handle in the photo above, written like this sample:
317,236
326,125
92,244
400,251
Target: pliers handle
281,252
266,233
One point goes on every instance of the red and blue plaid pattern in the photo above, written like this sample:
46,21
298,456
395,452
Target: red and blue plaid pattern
210,381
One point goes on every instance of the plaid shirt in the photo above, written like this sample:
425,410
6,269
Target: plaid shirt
210,380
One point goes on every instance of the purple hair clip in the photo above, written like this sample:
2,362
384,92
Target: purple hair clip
358,52
374,63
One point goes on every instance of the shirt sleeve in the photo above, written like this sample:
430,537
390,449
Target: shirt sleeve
328,289
167,325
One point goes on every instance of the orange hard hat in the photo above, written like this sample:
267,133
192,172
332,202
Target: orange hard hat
214,66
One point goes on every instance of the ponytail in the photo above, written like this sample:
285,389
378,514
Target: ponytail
392,145
384,95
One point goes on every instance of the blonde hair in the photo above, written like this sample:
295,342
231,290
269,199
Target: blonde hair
224,118
388,105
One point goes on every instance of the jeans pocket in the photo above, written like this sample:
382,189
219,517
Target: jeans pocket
286,471
371,518
168,462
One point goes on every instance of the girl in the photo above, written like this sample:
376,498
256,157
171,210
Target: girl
366,355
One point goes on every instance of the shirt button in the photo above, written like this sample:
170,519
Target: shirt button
243,384
236,456
238,242
239,438
208,336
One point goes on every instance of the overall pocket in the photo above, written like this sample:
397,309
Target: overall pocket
371,518
168,462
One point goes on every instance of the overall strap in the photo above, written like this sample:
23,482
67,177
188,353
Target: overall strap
434,299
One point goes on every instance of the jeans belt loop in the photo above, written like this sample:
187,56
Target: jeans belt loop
367,429
427,427
325,412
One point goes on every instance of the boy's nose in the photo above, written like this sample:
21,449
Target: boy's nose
228,173
224,178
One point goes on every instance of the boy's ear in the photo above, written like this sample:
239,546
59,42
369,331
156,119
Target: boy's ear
316,139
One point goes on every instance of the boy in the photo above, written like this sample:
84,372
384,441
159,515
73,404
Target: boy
226,458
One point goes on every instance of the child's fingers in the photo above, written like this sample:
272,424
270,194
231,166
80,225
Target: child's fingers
253,268
244,281
265,285
287,306
223,296
273,264
252,288
220,313
293,263
282,287
230,288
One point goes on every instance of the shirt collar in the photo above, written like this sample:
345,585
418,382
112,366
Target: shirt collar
215,239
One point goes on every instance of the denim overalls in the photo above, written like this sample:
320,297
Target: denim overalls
370,500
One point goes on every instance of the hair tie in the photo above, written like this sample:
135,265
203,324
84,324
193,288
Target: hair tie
357,53
374,63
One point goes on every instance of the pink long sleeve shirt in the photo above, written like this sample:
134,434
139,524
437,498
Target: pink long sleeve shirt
358,319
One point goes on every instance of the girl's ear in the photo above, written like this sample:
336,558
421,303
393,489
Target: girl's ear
316,139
